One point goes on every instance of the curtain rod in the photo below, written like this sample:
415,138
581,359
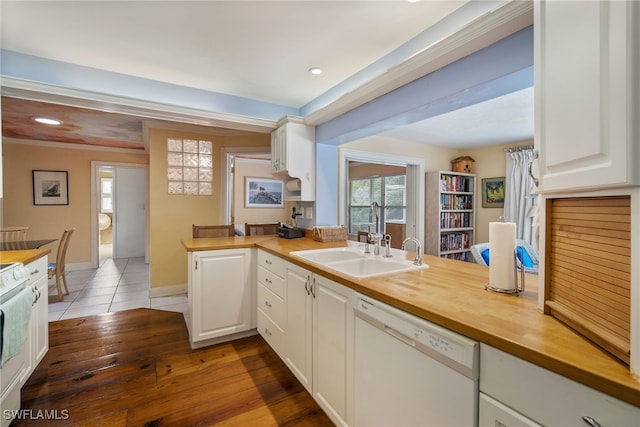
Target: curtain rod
514,149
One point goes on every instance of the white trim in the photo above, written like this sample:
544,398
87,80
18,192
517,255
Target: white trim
95,201
36,91
167,291
484,31
226,184
415,195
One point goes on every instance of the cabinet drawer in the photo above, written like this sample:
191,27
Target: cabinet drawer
37,269
271,333
271,304
271,281
546,397
493,413
271,262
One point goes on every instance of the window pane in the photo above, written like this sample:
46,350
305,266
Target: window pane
361,192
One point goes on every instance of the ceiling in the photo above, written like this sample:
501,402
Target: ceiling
260,50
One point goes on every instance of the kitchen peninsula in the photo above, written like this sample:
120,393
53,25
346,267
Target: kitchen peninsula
451,294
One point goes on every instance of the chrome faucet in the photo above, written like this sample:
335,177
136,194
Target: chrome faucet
418,258
375,211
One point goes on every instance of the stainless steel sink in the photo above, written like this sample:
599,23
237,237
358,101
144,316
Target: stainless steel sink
353,262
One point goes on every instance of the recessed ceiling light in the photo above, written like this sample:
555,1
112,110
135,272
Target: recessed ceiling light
47,121
315,70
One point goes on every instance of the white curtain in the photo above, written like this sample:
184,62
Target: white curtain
519,198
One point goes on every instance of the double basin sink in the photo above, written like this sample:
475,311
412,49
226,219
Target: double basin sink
353,262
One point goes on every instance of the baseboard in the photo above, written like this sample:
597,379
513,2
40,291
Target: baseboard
166,291
76,266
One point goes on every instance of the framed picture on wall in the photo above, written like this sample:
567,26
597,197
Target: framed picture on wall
263,193
50,187
493,192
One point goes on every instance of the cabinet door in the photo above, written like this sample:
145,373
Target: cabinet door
586,129
298,354
333,348
221,294
41,321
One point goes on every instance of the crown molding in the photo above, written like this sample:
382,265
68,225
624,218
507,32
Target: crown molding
480,33
44,92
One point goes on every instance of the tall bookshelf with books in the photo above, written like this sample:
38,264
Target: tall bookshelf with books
450,214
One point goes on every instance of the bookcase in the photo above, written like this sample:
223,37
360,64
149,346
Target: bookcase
450,214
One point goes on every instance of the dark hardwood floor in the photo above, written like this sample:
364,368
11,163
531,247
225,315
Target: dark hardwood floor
135,368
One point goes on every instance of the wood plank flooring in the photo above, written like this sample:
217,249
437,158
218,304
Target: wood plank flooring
136,368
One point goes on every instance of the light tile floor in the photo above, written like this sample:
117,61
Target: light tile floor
118,284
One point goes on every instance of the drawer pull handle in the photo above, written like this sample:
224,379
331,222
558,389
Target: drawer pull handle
590,421
36,271
266,261
268,304
267,331
268,280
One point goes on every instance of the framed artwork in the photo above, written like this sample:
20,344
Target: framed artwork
493,192
50,187
263,193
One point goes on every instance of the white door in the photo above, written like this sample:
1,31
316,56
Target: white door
129,222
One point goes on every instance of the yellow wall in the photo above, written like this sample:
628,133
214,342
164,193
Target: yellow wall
489,162
170,215
50,221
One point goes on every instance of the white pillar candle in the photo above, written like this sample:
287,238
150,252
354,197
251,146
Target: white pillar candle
502,244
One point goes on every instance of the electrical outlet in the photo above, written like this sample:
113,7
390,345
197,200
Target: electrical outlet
308,213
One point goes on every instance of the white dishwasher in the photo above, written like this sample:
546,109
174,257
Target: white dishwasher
410,372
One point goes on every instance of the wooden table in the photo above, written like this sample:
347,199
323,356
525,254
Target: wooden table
24,245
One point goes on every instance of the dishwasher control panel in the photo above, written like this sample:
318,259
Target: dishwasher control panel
447,346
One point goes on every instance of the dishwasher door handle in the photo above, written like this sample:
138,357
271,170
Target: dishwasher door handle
399,335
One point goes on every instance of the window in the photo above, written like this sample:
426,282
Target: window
190,167
388,191
106,191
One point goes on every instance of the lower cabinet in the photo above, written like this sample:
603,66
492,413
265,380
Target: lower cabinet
318,331
39,323
515,392
222,295
333,321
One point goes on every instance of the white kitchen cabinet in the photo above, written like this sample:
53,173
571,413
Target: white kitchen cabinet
587,93
299,323
39,322
271,301
293,153
333,321
318,337
222,295
533,395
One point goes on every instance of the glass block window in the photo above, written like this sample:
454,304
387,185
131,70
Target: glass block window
190,167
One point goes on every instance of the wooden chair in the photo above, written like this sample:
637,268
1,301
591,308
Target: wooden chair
213,231
57,268
261,229
13,234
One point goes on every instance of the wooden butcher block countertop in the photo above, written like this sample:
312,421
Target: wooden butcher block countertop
25,256
451,294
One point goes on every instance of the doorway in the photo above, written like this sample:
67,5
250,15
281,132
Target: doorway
119,211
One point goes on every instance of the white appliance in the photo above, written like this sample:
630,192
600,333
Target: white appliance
410,372
13,278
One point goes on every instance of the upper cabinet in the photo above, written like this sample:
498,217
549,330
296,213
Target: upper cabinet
293,153
587,93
